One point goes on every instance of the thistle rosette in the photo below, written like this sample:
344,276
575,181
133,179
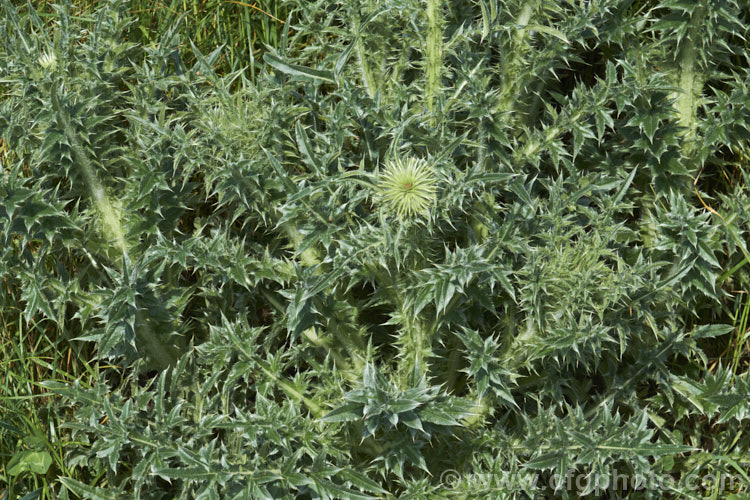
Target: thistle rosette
407,187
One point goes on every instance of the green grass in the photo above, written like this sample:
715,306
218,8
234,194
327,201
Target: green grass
242,29
32,441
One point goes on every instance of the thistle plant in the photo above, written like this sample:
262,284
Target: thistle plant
475,238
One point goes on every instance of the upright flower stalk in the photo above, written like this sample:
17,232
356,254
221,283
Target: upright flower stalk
407,189
110,221
160,353
690,82
364,65
434,52
512,61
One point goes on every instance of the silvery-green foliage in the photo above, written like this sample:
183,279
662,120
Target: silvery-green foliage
546,304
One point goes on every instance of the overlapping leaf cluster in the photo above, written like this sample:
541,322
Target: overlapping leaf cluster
554,303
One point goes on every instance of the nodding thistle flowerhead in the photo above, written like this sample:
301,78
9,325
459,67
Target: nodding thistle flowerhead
407,187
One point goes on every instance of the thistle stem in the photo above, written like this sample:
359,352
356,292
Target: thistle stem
519,46
291,391
110,221
434,52
690,81
364,66
453,363
415,350
160,353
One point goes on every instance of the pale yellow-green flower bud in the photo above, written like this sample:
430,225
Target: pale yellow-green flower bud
407,187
